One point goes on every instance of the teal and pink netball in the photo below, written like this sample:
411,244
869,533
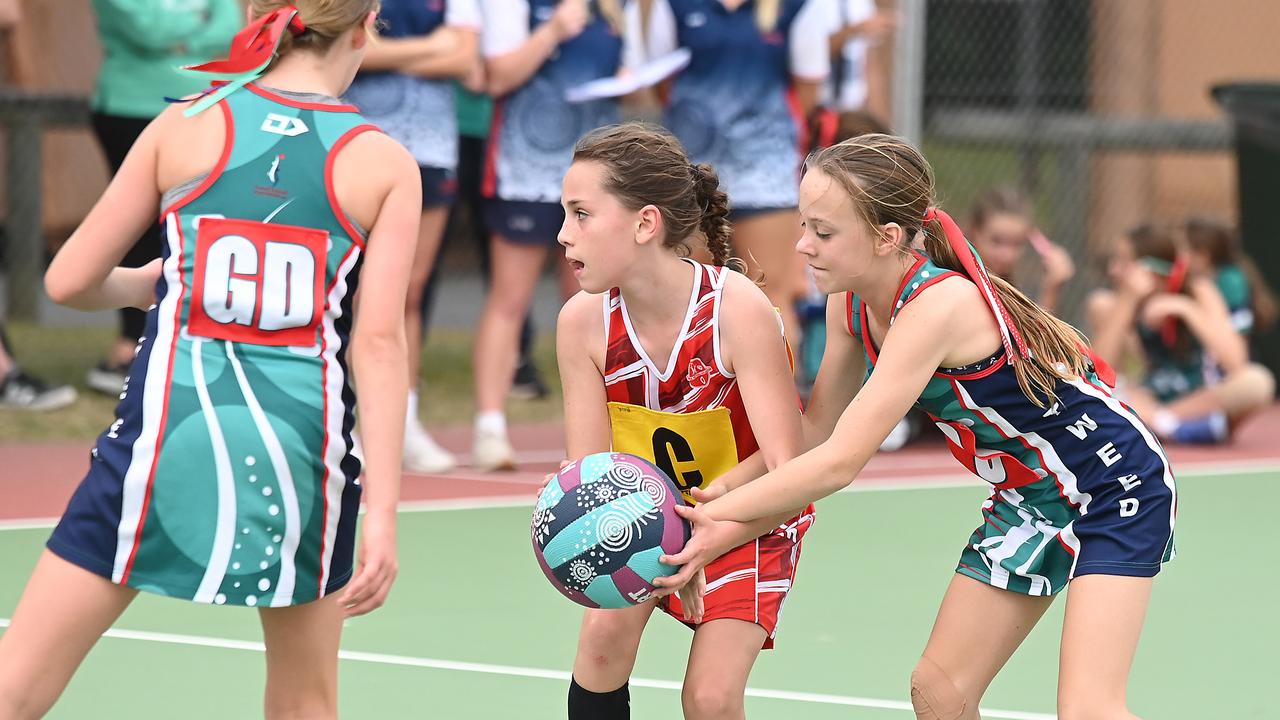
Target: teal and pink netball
600,526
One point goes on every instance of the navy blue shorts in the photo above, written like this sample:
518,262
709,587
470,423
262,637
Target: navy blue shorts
439,187
524,222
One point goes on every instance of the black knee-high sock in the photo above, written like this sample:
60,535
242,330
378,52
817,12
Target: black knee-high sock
587,705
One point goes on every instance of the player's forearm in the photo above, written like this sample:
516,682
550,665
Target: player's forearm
451,65
512,70
744,472
122,287
398,53
381,372
807,478
1220,339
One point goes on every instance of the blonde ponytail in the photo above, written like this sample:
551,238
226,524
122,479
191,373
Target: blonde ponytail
324,21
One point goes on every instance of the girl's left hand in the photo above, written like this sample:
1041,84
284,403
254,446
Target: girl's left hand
377,567
711,539
691,597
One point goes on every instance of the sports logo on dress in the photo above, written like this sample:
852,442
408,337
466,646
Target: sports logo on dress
695,19
273,171
283,125
699,374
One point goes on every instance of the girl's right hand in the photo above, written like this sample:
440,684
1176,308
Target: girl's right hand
377,566
549,477
711,539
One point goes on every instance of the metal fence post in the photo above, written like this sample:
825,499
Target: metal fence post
25,226
908,71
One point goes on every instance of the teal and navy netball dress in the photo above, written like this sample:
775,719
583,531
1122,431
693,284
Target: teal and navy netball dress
227,476
1078,487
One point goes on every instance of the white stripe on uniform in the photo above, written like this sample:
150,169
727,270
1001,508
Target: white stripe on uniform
154,389
288,494
224,531
334,382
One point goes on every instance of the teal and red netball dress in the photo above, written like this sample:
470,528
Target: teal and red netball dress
1078,487
227,476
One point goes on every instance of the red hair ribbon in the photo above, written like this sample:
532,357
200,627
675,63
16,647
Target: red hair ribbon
1173,284
251,51
1009,335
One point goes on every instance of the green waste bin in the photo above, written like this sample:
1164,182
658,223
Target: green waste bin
1255,111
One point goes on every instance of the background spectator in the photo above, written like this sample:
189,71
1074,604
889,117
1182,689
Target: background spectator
144,42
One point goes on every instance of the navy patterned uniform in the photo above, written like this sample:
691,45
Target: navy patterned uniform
1078,487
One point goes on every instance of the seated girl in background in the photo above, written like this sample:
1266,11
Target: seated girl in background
1197,383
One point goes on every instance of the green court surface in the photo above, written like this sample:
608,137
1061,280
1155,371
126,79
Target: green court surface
472,629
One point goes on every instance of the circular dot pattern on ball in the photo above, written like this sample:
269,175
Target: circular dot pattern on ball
600,526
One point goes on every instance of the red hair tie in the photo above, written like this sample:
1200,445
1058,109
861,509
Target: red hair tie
296,26
972,264
1173,284
252,50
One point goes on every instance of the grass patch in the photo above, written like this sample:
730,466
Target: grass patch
64,354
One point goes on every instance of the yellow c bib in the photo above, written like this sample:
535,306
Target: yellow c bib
691,448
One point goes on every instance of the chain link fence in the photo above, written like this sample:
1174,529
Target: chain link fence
1099,111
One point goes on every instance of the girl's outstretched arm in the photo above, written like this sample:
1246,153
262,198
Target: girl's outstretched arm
917,346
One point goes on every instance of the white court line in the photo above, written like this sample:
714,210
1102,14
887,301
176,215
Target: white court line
938,481
539,673
406,506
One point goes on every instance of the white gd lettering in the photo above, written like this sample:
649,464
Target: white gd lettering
230,299
294,266
232,276
1128,507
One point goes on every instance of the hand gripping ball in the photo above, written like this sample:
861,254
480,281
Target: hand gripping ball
600,526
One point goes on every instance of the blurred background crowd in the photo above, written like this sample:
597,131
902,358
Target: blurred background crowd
1114,158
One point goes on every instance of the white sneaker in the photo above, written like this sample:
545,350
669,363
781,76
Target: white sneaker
492,451
897,437
423,455
22,391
